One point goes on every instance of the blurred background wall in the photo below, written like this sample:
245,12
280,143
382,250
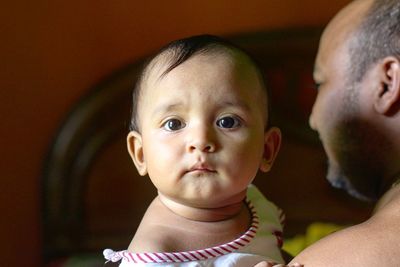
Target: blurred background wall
53,52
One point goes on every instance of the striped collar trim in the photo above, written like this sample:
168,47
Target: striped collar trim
194,255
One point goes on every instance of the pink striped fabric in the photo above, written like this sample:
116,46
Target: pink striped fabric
194,255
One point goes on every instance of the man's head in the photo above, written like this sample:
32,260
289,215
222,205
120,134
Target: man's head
377,37
200,123
357,71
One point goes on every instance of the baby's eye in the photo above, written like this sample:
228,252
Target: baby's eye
173,125
228,122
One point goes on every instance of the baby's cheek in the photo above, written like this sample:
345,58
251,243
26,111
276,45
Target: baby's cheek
246,157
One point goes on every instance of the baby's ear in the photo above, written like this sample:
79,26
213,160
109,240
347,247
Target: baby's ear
135,148
272,144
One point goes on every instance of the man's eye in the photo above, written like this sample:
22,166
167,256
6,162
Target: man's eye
317,86
228,122
173,125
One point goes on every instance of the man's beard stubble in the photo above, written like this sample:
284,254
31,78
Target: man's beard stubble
359,150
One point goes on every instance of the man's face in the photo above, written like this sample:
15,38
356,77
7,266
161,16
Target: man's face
339,118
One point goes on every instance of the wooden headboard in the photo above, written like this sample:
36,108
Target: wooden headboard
93,198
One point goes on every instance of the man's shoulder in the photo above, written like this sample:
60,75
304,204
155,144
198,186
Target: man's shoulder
366,244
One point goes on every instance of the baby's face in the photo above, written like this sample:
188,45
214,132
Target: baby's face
202,129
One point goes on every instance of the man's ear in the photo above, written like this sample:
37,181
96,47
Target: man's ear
388,96
272,144
135,149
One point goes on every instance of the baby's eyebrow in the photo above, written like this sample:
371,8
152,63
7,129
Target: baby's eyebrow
168,107
164,108
236,103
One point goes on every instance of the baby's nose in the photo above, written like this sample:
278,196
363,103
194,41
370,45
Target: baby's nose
207,148
202,139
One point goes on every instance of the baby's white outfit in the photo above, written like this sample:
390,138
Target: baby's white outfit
261,242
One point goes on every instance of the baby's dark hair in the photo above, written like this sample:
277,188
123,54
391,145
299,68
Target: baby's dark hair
180,51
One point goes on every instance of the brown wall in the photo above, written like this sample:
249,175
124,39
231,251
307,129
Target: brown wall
52,52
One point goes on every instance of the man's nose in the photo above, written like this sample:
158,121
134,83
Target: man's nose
202,138
311,120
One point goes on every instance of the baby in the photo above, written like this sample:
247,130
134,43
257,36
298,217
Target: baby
200,131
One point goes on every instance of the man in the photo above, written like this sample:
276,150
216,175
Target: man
357,116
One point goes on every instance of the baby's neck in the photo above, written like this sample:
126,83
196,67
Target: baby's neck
172,227
202,214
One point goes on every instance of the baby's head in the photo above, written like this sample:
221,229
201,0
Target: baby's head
177,52
199,123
